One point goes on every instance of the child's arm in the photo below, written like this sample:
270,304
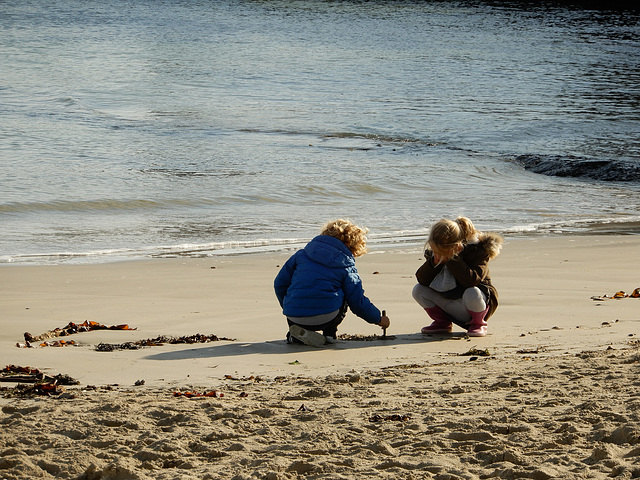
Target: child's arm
356,299
428,271
283,279
471,272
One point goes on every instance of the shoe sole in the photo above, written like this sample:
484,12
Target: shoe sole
429,332
308,337
477,334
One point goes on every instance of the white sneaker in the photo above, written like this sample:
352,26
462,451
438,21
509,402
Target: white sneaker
308,337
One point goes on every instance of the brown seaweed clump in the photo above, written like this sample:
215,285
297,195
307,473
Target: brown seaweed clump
160,340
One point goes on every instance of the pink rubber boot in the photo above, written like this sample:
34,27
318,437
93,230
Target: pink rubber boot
441,321
478,326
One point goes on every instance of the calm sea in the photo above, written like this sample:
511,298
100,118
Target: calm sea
144,128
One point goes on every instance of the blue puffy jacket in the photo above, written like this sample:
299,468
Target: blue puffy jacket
317,279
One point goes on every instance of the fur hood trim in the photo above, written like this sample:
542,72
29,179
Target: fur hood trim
492,243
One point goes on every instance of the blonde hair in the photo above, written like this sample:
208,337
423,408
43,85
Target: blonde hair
353,236
448,236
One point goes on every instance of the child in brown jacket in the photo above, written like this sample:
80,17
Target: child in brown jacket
454,285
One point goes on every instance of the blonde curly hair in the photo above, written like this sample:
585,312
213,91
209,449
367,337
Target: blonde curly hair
353,236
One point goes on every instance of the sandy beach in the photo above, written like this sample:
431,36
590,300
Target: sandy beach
552,392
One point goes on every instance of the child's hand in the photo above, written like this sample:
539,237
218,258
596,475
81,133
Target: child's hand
384,322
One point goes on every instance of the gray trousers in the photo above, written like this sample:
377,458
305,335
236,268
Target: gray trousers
458,308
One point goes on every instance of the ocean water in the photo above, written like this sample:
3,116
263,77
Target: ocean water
192,127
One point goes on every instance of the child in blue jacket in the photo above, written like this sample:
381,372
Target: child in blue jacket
317,284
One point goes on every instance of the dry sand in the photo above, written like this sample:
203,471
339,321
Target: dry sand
557,396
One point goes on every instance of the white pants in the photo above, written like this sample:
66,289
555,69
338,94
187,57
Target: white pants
472,300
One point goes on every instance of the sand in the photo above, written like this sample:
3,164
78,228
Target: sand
552,392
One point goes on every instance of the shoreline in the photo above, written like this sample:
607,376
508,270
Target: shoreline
389,241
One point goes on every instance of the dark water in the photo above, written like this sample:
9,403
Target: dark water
131,129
